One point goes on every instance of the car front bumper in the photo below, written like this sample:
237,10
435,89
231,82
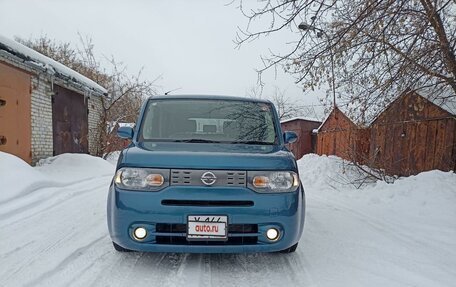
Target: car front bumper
164,215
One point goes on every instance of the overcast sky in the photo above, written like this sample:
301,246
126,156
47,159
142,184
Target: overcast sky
189,43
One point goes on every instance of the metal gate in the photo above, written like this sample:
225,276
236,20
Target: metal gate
69,121
15,126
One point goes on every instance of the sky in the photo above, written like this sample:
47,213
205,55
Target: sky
187,44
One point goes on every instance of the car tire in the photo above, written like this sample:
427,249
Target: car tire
120,248
289,249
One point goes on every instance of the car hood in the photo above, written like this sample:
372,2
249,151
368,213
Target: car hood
208,156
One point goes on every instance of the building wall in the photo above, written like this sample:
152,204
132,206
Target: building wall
341,137
15,111
40,124
41,118
303,129
413,135
95,114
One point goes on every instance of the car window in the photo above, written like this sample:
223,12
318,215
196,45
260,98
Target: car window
224,121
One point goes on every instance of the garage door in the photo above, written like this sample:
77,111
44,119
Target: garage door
15,112
69,122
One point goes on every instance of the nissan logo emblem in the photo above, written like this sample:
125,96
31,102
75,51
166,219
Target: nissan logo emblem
208,178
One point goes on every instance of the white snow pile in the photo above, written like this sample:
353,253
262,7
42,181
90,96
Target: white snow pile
18,178
70,168
429,196
400,234
112,157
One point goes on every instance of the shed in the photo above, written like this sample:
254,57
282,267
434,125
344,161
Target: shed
414,134
339,135
46,108
303,127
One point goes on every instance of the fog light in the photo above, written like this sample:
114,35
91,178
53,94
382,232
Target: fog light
140,233
272,234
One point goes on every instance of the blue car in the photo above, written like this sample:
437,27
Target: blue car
206,174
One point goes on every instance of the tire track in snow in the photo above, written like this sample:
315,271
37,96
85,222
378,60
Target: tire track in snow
64,263
384,226
48,184
67,196
155,269
58,240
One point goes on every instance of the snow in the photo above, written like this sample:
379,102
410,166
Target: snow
448,104
51,65
130,125
401,234
300,118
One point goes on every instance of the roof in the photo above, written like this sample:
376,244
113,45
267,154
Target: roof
448,104
209,97
31,56
334,110
300,118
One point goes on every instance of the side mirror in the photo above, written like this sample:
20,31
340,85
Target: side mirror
290,137
125,132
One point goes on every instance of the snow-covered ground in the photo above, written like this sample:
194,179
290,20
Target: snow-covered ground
53,233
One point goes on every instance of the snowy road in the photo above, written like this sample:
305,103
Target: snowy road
57,236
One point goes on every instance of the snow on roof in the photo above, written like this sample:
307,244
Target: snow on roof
49,64
300,118
447,103
324,121
131,125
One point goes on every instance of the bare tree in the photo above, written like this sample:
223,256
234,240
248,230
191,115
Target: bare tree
126,92
378,47
286,107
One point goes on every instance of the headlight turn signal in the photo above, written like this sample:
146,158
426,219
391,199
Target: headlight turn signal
273,181
146,179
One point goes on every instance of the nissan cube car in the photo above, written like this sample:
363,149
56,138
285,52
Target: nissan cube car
206,174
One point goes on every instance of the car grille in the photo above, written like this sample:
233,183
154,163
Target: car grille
208,203
190,177
238,234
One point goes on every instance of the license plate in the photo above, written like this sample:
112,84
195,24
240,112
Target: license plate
204,227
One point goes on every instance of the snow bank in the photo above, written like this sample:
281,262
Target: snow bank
70,168
18,178
329,171
113,157
421,206
428,193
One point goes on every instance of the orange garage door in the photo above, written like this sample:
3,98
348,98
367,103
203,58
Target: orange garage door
15,129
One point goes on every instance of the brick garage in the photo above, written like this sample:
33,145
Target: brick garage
32,125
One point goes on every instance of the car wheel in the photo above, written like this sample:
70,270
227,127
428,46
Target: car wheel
289,249
120,248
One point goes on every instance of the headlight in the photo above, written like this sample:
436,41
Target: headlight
273,181
142,178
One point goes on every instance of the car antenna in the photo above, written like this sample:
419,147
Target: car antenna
170,91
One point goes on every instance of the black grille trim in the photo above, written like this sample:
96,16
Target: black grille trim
209,203
224,178
182,228
181,240
174,234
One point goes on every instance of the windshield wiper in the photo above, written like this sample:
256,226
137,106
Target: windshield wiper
252,142
196,141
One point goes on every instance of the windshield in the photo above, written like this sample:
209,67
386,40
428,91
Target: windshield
216,121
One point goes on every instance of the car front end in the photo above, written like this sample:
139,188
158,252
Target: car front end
206,197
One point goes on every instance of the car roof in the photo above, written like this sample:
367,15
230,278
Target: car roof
208,97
